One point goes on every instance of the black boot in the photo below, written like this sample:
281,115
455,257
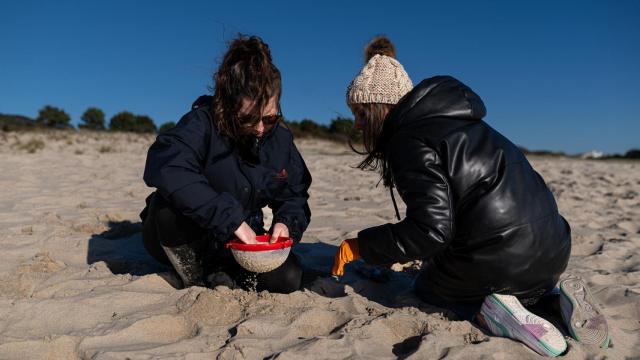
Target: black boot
186,263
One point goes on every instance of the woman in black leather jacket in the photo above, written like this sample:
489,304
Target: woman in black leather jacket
214,172
481,218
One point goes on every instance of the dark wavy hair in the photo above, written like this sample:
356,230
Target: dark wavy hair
246,72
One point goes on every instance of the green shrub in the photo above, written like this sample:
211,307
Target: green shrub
122,121
633,154
342,128
93,119
30,146
313,128
105,149
51,116
127,121
144,124
16,122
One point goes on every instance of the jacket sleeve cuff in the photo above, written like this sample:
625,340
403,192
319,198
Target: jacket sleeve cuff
293,224
234,219
371,240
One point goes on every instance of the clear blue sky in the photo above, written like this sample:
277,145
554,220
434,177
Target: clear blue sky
558,75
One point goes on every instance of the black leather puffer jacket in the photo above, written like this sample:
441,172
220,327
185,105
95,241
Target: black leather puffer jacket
476,209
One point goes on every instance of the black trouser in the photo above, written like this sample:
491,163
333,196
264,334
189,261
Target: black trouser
164,226
541,304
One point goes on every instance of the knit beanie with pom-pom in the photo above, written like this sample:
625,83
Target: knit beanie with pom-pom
383,79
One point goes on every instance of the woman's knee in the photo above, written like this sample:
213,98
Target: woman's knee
285,279
173,228
164,215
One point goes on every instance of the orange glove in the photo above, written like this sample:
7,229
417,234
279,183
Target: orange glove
347,253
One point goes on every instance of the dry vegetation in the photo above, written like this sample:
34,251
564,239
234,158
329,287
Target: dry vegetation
72,143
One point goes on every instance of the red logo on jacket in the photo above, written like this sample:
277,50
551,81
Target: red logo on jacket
282,175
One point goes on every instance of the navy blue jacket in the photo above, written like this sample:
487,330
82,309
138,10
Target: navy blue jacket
202,175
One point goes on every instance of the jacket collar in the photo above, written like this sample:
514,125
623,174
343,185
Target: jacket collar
439,96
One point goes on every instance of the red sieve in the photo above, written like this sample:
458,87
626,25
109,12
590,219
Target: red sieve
264,245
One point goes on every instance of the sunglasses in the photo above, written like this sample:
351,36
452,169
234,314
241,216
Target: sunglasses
269,121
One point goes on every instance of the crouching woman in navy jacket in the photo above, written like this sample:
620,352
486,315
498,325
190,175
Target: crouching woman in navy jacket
214,172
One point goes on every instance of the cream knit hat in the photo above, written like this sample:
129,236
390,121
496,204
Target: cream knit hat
382,80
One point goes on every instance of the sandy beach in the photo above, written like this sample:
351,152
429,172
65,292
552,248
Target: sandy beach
76,282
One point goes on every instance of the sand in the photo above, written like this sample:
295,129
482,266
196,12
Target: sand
76,283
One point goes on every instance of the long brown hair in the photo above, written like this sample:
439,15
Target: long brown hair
246,72
372,117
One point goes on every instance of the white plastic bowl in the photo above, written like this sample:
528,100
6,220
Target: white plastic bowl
262,257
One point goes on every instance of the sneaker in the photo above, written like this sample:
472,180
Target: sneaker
581,313
505,316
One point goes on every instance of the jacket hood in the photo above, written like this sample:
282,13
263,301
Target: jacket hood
439,96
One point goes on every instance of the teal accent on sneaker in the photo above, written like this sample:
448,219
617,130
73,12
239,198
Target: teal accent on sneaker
507,317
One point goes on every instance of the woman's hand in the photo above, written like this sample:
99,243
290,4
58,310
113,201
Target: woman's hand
246,234
279,230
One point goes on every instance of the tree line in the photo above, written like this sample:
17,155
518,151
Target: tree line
340,128
92,119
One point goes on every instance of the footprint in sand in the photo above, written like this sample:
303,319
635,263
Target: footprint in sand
155,330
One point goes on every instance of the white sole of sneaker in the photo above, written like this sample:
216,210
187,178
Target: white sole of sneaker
505,316
581,314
